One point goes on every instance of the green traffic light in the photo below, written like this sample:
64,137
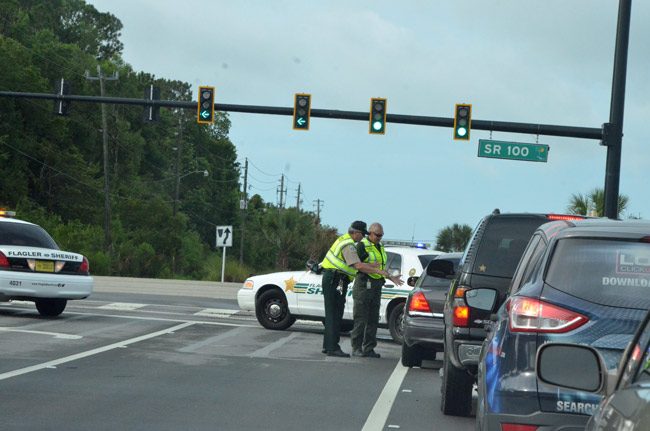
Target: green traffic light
377,125
461,131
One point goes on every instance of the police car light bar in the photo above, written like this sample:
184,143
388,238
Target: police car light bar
5,213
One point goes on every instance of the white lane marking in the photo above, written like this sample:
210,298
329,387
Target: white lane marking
122,306
380,411
55,362
216,312
53,334
264,351
407,390
212,341
393,426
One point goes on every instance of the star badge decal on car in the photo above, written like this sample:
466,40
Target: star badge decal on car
290,283
482,268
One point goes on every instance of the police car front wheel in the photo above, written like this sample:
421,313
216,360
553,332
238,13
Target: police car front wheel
272,310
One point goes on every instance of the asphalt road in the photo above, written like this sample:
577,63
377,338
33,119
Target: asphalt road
178,355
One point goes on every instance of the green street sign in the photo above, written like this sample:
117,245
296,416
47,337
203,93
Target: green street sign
512,150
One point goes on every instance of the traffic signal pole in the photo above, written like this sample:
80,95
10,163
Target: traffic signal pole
614,138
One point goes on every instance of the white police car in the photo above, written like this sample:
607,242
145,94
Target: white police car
33,268
279,298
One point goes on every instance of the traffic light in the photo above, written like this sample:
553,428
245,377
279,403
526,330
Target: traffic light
462,121
151,112
301,111
205,113
377,116
62,107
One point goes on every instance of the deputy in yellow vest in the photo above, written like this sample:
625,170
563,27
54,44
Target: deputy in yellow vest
340,265
366,292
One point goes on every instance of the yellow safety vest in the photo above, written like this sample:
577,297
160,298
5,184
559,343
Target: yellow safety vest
375,255
334,257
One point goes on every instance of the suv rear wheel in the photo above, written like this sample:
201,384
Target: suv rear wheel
456,390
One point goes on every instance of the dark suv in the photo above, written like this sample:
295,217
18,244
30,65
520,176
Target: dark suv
489,261
580,282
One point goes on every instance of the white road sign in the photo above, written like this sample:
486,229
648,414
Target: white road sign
224,236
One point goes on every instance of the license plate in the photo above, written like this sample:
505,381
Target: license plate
44,266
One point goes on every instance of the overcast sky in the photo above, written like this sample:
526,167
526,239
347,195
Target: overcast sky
531,61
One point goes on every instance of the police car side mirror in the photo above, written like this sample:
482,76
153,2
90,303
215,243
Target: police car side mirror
441,268
572,366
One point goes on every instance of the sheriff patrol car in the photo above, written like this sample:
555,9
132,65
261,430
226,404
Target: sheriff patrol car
33,268
279,298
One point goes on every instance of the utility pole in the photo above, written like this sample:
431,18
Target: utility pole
243,207
107,203
318,205
298,199
179,150
281,205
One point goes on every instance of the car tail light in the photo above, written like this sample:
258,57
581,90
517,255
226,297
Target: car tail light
533,315
461,315
518,427
84,267
645,239
4,262
419,304
564,217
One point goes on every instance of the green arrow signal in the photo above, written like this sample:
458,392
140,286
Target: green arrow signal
205,114
301,121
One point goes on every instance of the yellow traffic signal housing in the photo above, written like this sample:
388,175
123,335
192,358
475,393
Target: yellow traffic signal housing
377,124
301,111
462,121
205,105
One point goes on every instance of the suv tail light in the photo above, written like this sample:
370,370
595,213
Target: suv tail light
461,315
4,262
532,315
419,305
84,267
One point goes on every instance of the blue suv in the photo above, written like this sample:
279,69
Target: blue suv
584,282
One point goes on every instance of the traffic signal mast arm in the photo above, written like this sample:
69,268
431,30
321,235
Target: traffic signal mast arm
495,126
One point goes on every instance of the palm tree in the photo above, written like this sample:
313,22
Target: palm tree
593,204
453,238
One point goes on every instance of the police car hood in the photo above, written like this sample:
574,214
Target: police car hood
21,252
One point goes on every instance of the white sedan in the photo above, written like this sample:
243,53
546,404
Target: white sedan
33,268
279,298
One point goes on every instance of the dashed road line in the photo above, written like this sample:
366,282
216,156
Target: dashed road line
381,410
216,312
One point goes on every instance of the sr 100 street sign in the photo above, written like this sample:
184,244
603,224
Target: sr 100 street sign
513,150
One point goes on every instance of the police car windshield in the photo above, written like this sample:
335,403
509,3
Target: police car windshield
27,235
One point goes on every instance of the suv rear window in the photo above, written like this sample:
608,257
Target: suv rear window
425,259
28,235
503,243
607,272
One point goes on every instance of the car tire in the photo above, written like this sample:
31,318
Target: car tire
50,307
456,390
272,310
411,355
396,323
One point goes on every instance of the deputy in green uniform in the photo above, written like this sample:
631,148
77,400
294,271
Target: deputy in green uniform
366,292
340,265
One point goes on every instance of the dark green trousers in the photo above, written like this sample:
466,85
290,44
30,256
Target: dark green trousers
365,313
334,307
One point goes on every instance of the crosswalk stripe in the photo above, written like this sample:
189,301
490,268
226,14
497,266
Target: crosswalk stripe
216,312
122,306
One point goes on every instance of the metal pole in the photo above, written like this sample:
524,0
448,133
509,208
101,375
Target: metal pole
243,218
179,150
223,264
614,141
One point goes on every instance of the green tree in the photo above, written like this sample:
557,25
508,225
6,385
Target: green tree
453,238
593,203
